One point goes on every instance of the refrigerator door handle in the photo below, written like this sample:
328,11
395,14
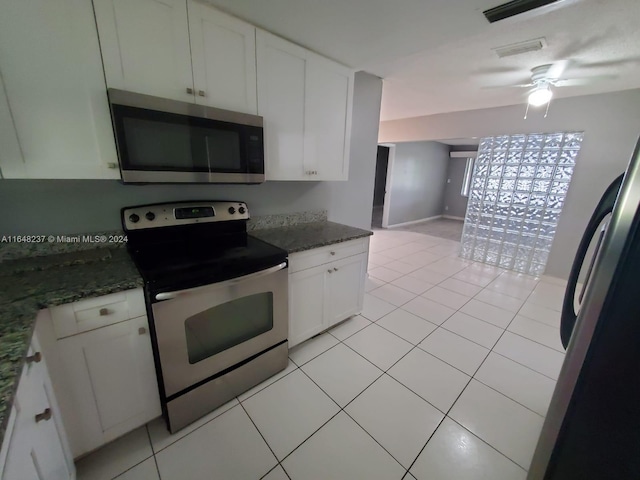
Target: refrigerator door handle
604,208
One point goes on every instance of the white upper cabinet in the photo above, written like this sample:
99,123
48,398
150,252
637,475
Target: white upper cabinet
55,114
281,84
306,102
223,51
327,118
179,49
145,46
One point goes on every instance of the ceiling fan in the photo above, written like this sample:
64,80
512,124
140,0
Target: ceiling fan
546,78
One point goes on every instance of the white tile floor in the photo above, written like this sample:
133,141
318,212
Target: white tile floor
446,374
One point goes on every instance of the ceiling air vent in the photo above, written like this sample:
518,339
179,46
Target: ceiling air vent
520,47
515,7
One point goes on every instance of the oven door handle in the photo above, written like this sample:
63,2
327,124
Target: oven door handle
251,276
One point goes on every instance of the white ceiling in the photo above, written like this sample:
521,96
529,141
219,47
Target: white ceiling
436,55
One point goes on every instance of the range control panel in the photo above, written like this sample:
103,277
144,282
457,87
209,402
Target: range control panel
185,213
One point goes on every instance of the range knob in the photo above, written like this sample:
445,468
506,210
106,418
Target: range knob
134,218
242,210
150,216
232,210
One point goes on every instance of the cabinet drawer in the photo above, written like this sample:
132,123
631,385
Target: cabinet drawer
93,313
319,256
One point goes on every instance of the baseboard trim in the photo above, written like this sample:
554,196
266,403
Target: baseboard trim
403,224
451,217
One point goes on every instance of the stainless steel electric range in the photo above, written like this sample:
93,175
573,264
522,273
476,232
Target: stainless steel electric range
217,301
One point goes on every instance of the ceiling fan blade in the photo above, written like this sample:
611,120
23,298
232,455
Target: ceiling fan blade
585,45
491,87
557,69
577,82
621,62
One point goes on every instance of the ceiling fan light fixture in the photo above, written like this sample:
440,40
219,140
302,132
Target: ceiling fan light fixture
540,96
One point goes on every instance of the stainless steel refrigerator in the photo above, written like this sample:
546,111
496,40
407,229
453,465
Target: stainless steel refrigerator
592,428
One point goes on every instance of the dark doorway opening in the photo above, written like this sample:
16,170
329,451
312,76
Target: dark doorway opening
379,188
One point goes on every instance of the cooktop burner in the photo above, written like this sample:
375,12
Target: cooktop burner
182,245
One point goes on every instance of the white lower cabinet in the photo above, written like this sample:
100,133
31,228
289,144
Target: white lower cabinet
35,445
306,304
345,288
111,383
324,292
105,378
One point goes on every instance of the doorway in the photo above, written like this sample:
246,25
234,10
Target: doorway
380,186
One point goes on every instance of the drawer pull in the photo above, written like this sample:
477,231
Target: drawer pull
201,93
35,358
104,312
142,331
329,271
190,91
46,415
332,253
335,269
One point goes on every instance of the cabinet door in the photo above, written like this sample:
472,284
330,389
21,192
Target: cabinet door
111,385
223,54
306,304
145,46
345,288
281,84
54,83
327,118
38,447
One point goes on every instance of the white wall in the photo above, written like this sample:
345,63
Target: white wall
418,179
611,123
76,206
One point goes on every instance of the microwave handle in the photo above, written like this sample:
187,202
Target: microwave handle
251,276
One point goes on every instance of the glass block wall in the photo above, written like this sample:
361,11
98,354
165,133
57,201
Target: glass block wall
517,192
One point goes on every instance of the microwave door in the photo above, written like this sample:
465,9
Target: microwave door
159,147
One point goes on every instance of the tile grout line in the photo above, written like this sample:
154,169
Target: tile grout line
264,439
153,451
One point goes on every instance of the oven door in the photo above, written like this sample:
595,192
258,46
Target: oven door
204,330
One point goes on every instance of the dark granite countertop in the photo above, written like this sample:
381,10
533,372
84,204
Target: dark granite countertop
31,284
306,236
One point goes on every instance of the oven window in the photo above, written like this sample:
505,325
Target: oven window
224,326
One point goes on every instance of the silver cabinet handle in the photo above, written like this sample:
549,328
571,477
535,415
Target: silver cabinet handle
112,165
335,269
332,253
190,90
46,415
142,331
226,283
35,358
329,271
104,312
201,93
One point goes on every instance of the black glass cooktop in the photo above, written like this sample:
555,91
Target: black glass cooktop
190,261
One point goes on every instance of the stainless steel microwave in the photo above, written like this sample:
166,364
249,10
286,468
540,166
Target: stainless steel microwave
166,141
